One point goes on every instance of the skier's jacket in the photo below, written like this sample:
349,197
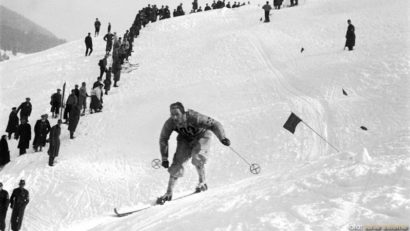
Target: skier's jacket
194,127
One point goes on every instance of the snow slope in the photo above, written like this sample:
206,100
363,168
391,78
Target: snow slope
249,76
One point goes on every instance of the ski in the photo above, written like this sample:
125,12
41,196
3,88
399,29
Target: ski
123,214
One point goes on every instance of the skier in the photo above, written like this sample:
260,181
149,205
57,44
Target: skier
4,152
350,36
13,122
55,103
23,134
194,140
54,139
18,202
25,108
41,129
4,204
97,25
267,9
88,44
207,7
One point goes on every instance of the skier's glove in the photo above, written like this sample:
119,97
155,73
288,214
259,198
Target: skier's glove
165,164
226,142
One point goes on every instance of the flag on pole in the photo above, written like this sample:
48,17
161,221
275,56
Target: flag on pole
292,122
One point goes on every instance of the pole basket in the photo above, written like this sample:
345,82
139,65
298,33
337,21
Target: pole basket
255,168
156,163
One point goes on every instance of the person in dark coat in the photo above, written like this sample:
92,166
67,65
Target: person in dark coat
54,139
267,9
41,130
76,91
350,36
4,151
97,25
23,134
88,44
13,122
55,103
71,101
4,205
103,65
25,109
107,81
207,7
195,5
18,202
73,121
108,38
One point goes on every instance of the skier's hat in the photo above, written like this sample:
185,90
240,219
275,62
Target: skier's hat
58,89
27,98
22,182
177,105
1,184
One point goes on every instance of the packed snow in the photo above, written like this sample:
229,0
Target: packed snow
249,76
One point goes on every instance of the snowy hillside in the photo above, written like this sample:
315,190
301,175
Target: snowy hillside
249,76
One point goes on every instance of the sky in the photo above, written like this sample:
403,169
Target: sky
73,19
249,76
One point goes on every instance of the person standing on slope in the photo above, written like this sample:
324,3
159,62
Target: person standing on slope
194,140
350,36
4,205
13,123
88,44
23,134
4,151
97,25
25,109
55,103
54,139
267,9
41,130
18,202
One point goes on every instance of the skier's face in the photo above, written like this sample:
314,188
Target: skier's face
177,116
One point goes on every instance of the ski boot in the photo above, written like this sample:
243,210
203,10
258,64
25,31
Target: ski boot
164,198
201,187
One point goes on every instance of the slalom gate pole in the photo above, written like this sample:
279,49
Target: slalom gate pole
320,136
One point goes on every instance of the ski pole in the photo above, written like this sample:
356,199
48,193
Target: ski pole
253,168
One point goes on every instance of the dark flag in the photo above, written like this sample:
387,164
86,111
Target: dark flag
292,122
344,92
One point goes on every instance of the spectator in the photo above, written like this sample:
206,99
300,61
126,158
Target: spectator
13,122
23,134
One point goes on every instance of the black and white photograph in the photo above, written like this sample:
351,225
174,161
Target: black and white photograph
204,115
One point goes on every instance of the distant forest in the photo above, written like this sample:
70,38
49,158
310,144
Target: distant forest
19,34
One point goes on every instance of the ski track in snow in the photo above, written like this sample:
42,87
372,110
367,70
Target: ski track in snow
248,75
